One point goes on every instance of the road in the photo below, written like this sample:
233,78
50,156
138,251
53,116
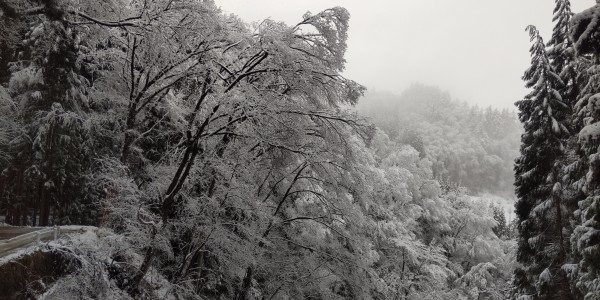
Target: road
15,238
9,232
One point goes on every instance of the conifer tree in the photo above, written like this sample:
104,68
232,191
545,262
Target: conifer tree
42,182
586,236
559,43
568,169
562,55
501,229
541,246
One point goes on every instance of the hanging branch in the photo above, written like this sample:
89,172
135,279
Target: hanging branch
49,9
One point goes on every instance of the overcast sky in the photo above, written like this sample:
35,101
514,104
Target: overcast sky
475,49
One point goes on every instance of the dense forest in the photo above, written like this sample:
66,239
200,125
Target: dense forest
468,146
216,159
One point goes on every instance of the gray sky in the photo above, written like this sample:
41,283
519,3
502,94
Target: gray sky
475,49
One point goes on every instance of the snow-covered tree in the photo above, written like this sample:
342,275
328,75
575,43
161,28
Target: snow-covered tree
585,238
542,244
561,52
42,183
218,160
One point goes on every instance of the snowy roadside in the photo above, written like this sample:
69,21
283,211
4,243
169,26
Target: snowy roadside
23,238
89,265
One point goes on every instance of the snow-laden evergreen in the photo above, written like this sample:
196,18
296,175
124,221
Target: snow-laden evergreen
586,236
542,245
575,171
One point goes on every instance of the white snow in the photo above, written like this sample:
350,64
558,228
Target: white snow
569,268
17,254
546,276
589,133
555,126
590,14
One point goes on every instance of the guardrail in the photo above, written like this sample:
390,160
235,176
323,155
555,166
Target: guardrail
45,233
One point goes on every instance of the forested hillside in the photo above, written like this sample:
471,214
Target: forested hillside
220,160
468,146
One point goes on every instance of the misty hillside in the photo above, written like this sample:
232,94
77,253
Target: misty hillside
469,146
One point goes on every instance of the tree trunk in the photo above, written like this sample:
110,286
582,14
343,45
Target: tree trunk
16,217
44,208
37,204
139,276
129,134
244,293
18,199
24,215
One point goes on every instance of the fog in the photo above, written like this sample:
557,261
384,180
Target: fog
207,160
476,50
